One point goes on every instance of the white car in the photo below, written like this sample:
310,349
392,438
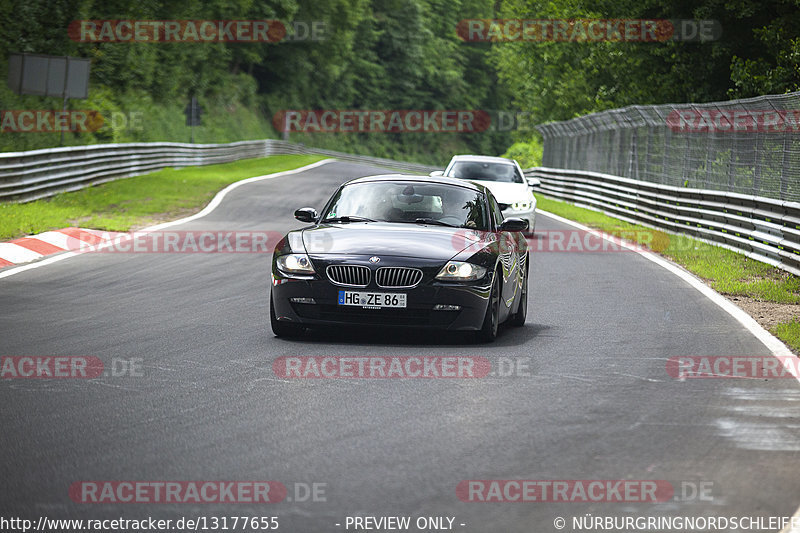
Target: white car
503,177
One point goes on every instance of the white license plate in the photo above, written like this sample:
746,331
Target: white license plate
375,300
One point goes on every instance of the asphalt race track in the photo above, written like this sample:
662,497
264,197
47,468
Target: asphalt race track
596,403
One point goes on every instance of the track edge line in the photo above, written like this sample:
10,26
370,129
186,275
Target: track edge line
773,344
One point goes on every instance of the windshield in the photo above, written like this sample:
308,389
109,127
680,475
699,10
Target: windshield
476,170
409,202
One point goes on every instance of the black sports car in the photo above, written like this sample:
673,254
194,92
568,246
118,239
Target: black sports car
397,250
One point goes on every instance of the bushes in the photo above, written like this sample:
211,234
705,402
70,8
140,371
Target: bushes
527,154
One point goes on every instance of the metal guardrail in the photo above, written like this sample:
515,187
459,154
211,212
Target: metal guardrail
35,174
764,229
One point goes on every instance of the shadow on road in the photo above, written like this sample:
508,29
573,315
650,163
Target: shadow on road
508,336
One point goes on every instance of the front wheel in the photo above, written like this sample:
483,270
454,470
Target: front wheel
282,329
491,321
518,318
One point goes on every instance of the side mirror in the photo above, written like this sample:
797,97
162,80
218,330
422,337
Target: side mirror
306,214
534,182
514,224
436,173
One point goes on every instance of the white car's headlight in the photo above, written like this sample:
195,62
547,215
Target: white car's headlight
461,271
295,264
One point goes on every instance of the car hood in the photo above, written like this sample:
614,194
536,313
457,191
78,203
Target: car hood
504,192
388,239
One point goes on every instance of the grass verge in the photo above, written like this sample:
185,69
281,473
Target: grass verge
727,272
788,332
139,201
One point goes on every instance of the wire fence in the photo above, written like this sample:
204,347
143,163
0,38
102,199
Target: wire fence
748,146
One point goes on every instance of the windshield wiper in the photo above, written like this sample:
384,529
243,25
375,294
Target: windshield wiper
433,221
348,218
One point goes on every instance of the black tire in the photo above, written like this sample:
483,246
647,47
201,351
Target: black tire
491,321
282,329
518,318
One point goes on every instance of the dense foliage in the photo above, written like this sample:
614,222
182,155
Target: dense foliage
394,54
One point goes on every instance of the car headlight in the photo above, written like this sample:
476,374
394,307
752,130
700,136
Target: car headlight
295,264
461,271
521,206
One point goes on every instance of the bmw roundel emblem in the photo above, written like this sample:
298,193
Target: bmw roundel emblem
374,259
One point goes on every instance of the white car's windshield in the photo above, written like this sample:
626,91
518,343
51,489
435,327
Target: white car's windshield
476,170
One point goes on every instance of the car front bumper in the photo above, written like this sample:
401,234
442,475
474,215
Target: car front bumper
472,299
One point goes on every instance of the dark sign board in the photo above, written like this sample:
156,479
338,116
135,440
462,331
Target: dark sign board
61,76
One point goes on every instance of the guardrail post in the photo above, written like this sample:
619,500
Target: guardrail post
758,151
784,187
